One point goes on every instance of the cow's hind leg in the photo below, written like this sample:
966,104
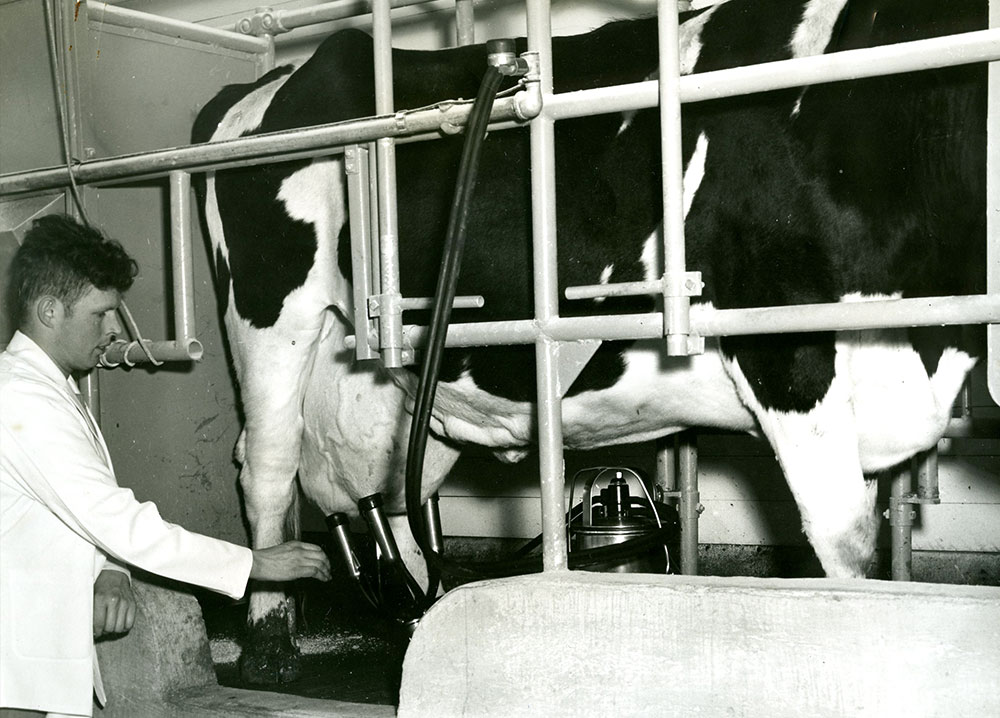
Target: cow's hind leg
810,423
274,365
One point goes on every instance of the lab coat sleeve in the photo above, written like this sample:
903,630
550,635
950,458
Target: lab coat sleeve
111,564
60,463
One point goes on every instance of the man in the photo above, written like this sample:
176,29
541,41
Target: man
67,530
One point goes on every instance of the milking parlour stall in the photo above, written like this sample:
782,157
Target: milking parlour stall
627,358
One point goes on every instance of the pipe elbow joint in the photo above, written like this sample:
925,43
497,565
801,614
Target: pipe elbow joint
528,102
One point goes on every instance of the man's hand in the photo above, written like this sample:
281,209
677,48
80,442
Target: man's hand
288,561
114,603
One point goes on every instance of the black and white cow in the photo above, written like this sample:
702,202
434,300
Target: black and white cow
836,193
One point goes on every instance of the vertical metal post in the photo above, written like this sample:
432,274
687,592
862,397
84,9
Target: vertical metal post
690,503
677,303
666,465
901,515
993,210
359,210
543,191
465,23
266,58
390,317
924,469
373,217
180,253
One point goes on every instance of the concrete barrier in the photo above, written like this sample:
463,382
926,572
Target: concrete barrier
163,669
584,644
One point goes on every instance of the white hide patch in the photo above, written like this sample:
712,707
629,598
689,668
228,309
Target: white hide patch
314,195
244,116
605,278
248,113
898,409
656,395
694,174
813,33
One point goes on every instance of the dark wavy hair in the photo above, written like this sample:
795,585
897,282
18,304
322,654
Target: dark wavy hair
64,258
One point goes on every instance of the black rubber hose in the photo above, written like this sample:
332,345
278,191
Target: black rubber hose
444,296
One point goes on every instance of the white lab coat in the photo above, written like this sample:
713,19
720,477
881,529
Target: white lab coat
62,514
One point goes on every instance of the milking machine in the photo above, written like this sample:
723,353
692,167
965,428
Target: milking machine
388,586
612,515
610,530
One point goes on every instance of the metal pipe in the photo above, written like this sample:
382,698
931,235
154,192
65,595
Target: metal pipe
901,514
690,502
130,353
286,20
390,319
912,312
70,75
543,209
993,209
181,261
666,465
960,49
260,149
924,468
105,14
358,202
465,22
676,304
890,313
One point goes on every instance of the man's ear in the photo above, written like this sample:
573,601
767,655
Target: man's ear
49,311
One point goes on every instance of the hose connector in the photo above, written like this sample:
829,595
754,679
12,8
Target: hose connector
502,54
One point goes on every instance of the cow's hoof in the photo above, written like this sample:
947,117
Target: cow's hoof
269,657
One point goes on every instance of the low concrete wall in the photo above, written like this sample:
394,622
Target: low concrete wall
573,644
163,669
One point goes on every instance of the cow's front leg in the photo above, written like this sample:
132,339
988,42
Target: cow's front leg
816,443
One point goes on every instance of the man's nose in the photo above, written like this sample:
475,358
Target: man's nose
112,326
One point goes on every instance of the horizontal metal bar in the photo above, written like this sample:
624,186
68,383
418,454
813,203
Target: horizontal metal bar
106,14
965,48
260,149
331,11
710,322
470,302
910,312
617,289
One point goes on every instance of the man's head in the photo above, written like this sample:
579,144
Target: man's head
67,280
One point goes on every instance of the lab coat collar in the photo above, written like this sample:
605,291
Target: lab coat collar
25,348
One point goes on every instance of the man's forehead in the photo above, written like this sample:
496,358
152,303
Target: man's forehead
94,299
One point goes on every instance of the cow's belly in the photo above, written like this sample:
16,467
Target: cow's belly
656,395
